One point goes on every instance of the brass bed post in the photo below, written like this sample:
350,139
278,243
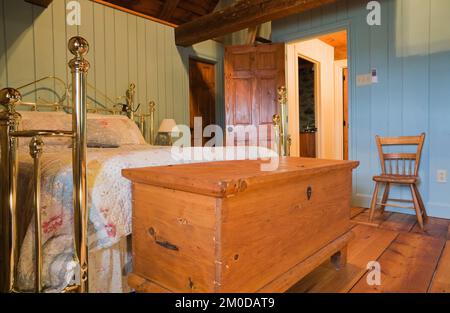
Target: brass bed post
36,146
79,47
277,129
9,122
152,110
285,139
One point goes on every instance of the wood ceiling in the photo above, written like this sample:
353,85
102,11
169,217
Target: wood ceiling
339,42
197,20
172,12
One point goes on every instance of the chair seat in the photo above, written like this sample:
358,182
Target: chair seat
396,179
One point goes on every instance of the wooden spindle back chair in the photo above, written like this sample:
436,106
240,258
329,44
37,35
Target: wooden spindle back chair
401,169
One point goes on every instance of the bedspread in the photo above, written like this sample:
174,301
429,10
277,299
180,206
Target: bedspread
109,200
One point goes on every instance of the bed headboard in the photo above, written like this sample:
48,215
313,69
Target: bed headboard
60,92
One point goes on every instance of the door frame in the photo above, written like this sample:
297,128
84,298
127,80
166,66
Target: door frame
214,64
294,102
291,39
339,67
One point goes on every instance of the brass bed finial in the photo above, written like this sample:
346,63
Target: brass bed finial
9,97
79,47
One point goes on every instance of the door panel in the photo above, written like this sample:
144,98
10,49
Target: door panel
252,76
202,93
267,99
243,99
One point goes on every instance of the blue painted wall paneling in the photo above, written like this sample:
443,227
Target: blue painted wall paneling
411,51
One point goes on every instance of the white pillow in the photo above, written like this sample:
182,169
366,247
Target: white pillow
113,130
102,130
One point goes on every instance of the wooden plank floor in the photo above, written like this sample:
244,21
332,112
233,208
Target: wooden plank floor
411,260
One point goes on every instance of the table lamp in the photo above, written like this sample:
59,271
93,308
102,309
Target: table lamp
167,129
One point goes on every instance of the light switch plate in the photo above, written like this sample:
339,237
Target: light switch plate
442,176
364,80
374,76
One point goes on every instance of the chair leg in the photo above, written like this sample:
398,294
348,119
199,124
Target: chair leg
417,206
373,205
387,189
422,205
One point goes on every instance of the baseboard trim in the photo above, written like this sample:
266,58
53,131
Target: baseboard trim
434,209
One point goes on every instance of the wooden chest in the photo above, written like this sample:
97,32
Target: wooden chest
230,227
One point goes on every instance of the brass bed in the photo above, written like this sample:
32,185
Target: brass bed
75,102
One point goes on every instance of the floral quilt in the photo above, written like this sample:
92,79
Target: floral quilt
109,200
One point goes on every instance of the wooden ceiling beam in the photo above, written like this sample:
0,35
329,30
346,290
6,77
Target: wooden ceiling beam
42,3
240,15
168,8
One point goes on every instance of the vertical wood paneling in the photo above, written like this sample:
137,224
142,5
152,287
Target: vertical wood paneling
86,30
123,49
364,140
304,20
58,31
316,17
43,47
415,88
110,54
152,66
439,109
379,101
121,53
329,13
341,10
180,99
141,64
161,71
169,48
99,73
20,44
132,53
71,30
410,50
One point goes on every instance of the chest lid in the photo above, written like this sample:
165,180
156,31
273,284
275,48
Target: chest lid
222,179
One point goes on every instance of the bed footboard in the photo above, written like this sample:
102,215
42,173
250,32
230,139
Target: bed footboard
9,121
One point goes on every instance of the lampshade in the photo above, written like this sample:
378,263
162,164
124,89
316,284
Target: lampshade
168,125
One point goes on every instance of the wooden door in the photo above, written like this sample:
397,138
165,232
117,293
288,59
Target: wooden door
202,94
253,73
346,124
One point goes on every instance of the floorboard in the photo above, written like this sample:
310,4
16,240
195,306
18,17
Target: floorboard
363,218
399,222
369,243
407,265
441,280
435,227
411,260
356,211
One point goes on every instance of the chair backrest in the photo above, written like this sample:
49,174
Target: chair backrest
401,164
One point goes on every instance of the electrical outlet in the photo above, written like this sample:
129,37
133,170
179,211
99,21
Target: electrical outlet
442,176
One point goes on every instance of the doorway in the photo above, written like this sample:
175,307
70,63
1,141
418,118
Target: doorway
307,107
321,57
202,94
